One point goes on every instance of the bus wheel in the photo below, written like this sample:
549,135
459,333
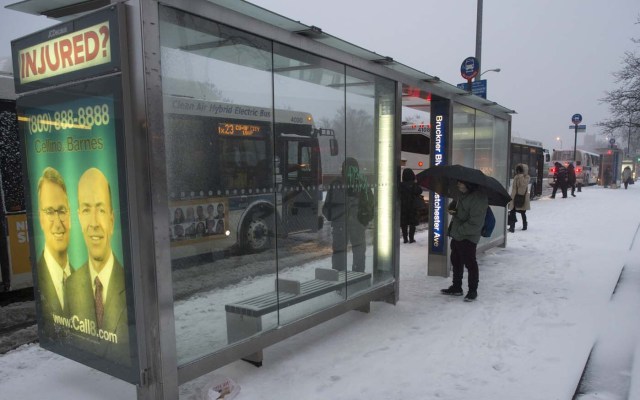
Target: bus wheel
257,232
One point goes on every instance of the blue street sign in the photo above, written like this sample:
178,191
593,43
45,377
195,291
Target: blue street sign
469,68
580,127
576,118
479,88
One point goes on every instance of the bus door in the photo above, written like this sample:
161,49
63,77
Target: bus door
299,198
539,173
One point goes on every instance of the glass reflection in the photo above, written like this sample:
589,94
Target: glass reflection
261,140
221,170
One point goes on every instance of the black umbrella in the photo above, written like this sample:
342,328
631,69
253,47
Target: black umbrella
443,180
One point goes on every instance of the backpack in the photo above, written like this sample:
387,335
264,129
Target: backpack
489,223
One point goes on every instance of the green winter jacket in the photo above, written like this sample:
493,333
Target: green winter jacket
468,220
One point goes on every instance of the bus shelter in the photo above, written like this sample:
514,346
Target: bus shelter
226,178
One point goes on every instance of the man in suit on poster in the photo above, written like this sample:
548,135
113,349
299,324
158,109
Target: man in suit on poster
53,267
97,290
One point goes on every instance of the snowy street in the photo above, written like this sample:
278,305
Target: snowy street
544,301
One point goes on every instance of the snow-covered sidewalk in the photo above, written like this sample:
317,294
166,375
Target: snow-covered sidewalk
544,300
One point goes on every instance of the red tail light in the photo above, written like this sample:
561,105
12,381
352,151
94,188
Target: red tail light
578,170
552,170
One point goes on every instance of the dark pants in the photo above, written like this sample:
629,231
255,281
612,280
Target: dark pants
512,217
562,187
411,231
463,254
626,183
343,234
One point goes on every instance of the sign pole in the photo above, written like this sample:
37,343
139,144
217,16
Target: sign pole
576,119
575,141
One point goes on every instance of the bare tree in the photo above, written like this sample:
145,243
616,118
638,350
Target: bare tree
624,102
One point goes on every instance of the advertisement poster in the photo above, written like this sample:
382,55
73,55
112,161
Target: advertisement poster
198,220
72,137
80,48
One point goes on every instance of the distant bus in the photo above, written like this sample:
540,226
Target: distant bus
531,153
586,163
415,144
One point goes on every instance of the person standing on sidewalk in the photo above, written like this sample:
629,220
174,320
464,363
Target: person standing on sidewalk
520,186
571,176
468,218
409,196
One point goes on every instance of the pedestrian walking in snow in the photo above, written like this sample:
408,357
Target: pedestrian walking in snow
410,195
560,180
520,195
466,224
626,176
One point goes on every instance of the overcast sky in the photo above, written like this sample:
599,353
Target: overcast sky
556,57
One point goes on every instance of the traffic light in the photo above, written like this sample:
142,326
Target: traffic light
638,159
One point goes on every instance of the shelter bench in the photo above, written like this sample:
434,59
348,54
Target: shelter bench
244,318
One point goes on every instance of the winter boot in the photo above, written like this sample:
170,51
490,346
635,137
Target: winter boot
524,225
452,291
471,296
512,228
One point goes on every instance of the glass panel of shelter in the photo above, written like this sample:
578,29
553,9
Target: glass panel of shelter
255,150
219,151
304,102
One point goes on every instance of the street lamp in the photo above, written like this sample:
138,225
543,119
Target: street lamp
491,70
559,140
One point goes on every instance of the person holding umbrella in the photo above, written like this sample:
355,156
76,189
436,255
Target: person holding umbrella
468,214
474,192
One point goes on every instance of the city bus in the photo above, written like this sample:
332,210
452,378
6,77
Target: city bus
259,165
586,163
15,264
415,146
531,153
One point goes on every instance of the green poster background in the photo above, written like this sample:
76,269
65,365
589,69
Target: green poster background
58,136
74,128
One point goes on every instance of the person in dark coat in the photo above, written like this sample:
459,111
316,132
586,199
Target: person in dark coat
342,207
607,176
571,178
626,176
409,195
560,179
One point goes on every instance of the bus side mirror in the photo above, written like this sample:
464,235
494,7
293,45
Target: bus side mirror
333,146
